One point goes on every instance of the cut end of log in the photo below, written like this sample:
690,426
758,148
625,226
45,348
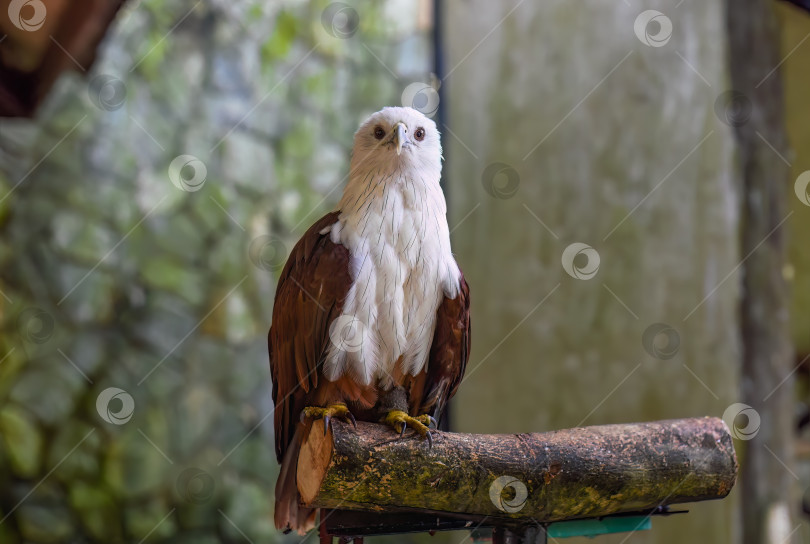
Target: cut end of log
313,462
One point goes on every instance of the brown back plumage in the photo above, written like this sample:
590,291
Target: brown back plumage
310,294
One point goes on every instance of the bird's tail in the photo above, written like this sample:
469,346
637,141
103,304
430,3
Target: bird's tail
289,514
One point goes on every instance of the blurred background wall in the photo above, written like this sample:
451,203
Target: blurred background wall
147,209
604,141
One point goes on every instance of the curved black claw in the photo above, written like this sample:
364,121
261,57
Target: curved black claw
404,426
433,423
429,439
327,413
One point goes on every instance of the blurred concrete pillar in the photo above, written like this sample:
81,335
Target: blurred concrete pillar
795,26
596,218
767,480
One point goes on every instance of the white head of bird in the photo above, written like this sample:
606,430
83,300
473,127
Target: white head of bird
396,141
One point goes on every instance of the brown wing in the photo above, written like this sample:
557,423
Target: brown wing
310,294
430,390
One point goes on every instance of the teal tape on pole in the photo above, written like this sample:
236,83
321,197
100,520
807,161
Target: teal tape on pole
594,527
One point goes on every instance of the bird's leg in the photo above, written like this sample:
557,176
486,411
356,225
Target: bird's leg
338,409
393,407
399,421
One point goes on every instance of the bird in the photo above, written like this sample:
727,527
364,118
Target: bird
371,318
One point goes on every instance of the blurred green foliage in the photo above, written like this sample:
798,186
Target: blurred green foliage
124,269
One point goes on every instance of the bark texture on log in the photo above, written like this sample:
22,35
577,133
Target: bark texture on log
574,473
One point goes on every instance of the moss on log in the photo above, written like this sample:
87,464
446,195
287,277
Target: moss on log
567,474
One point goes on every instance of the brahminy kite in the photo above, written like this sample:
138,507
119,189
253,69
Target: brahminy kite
372,314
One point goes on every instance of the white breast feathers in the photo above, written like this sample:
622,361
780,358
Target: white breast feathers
395,229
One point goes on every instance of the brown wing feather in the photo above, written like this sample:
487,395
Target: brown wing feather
310,294
430,390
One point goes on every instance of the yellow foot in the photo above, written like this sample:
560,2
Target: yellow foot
333,410
399,421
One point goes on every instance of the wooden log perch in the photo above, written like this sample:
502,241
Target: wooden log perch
575,473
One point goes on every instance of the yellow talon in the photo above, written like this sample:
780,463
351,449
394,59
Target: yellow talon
427,420
399,421
333,410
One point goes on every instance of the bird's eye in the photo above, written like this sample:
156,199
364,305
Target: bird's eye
379,133
419,134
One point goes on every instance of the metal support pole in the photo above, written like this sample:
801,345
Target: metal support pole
530,534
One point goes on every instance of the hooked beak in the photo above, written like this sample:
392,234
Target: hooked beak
400,136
